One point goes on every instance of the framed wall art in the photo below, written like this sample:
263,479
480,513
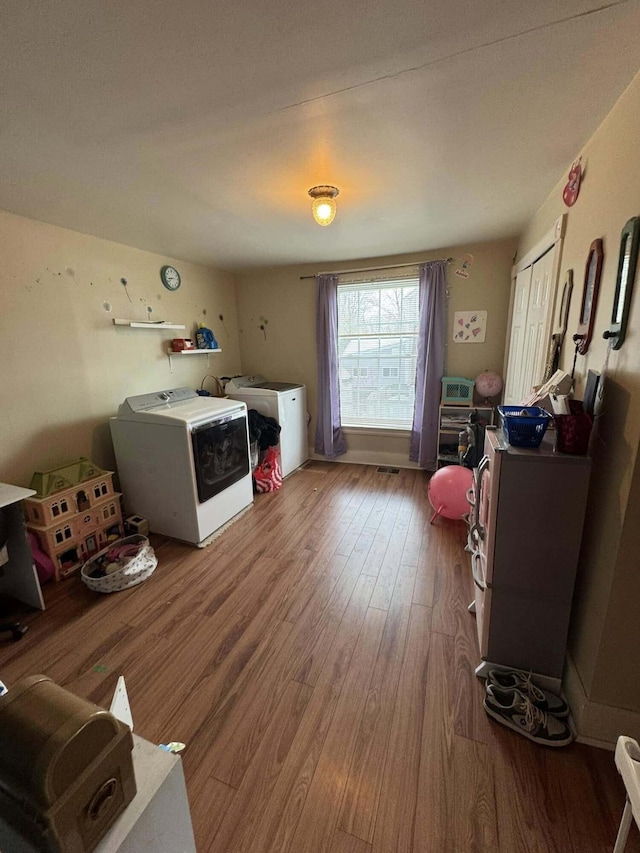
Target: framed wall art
627,262
590,291
470,327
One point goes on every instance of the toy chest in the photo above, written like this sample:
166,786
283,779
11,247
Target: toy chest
66,772
457,391
524,430
135,570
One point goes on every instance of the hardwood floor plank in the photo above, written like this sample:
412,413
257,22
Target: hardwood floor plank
344,843
529,808
245,811
208,810
452,575
394,826
387,751
433,823
319,815
391,562
362,792
223,690
325,628
280,819
430,557
475,822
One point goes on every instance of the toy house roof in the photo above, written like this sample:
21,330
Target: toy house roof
65,477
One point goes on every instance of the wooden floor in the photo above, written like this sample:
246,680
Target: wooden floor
318,661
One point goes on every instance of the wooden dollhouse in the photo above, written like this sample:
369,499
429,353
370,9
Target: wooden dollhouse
75,514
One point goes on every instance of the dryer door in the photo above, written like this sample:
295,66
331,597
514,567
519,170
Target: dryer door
220,454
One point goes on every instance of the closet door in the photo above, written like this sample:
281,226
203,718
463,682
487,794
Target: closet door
538,323
515,380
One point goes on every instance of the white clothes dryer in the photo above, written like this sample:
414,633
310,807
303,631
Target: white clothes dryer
284,401
183,461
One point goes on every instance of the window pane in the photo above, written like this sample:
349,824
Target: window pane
377,346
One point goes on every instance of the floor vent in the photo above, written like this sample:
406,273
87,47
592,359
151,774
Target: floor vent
383,469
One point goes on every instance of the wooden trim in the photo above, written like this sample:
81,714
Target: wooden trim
553,236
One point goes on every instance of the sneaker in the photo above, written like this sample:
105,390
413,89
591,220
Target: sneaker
516,680
513,709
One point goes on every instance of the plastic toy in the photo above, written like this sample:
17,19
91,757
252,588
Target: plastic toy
448,491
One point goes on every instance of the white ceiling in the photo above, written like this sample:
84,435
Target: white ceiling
194,129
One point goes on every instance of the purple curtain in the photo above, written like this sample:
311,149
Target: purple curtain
329,438
430,365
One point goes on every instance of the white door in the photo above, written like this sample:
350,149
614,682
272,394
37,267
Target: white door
538,324
514,380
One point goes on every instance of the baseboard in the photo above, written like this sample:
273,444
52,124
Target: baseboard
367,457
596,724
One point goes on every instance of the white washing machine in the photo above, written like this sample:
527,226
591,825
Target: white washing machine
284,401
183,461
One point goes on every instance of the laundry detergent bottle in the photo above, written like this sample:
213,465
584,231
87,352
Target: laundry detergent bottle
205,338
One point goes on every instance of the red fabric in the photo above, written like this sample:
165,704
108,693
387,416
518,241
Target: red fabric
267,477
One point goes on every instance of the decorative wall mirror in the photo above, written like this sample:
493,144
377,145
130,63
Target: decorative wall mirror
627,261
592,273
559,326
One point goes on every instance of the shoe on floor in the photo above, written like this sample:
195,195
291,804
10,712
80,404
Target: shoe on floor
515,710
516,680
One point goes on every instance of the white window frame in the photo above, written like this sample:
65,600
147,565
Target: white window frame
366,423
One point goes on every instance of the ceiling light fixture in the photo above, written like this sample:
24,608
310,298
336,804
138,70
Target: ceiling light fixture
324,204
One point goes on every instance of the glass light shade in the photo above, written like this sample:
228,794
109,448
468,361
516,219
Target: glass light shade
324,210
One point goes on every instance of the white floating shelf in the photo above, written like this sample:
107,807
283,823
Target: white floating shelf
194,352
134,325
206,352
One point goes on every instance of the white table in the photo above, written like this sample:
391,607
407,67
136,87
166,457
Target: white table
157,820
18,577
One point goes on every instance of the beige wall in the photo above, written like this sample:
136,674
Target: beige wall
288,351
605,625
65,367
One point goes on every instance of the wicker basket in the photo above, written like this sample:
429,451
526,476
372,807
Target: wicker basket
136,570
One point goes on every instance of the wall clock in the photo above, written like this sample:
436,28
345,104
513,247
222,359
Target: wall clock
170,277
629,240
592,273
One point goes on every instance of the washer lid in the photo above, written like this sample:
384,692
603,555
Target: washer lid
242,383
183,406
278,386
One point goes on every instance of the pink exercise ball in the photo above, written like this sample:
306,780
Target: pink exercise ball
448,491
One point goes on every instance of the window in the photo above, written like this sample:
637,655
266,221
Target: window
64,506
378,326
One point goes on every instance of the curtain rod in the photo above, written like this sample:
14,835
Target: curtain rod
370,269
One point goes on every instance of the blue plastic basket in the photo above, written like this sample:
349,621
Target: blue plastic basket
524,430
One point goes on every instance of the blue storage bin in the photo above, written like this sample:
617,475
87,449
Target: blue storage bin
524,430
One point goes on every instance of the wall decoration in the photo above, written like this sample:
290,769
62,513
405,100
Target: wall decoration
572,189
470,327
463,272
559,327
592,273
627,261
